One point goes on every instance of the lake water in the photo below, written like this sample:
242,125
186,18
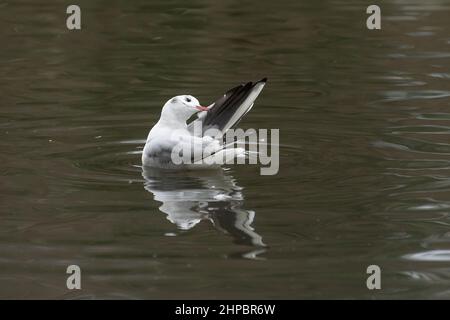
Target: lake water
364,119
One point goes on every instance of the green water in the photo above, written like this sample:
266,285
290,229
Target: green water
364,119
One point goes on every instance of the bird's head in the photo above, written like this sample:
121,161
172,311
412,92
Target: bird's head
182,107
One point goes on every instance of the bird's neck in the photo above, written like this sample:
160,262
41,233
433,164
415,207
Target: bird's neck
172,120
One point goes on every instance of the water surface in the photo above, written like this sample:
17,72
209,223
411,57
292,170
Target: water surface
364,124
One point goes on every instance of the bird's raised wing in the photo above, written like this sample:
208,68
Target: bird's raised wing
228,110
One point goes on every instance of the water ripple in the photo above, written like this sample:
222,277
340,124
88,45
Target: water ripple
432,255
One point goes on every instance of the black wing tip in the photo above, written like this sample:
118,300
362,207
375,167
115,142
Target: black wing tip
262,80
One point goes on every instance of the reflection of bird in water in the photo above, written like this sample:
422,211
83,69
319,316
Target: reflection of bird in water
190,197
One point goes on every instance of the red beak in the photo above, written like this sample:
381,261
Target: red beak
202,108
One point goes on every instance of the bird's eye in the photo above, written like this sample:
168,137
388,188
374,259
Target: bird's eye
188,99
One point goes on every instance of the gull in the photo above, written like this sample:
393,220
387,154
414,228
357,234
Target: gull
173,135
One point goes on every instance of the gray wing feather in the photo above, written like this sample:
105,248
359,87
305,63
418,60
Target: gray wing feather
228,110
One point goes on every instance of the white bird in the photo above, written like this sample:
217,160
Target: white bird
172,135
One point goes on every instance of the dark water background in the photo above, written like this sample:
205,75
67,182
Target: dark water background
364,120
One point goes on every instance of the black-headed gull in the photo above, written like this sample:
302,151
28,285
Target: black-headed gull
173,135
187,198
